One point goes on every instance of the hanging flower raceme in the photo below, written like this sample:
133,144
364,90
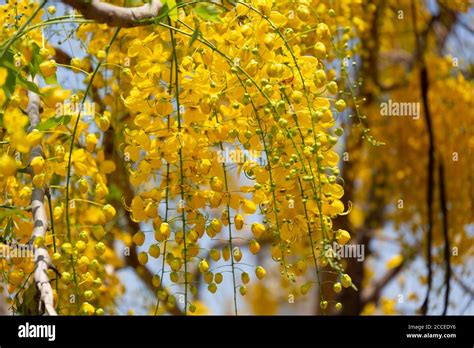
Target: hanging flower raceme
242,98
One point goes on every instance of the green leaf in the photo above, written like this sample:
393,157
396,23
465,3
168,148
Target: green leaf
51,80
28,304
115,193
16,76
161,14
31,86
168,9
33,66
8,232
53,122
196,34
6,211
172,9
208,12
7,62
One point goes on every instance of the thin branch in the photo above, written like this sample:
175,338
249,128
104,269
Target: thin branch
463,285
447,247
116,16
374,295
466,27
40,220
419,54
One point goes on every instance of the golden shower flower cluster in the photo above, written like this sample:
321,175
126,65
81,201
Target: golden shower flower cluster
255,79
71,170
263,81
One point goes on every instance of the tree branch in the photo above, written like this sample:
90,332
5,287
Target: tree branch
447,247
420,44
463,285
116,16
374,295
40,220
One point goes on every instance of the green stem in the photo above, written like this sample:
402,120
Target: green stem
316,267
68,174
53,232
181,169
167,184
230,227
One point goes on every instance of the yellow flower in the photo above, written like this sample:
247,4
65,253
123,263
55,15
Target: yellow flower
342,236
237,254
254,247
58,213
48,67
394,262
320,50
109,211
151,60
258,229
143,258
346,280
101,54
3,76
340,105
39,180
91,142
154,251
165,229
103,122
101,190
37,164
139,238
34,137
215,255
226,253
7,165
203,266
100,248
67,248
83,186
278,19
238,221
260,272
16,277
87,309
216,184
249,207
